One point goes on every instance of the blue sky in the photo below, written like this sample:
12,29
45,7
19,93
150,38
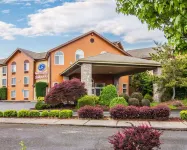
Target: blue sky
40,25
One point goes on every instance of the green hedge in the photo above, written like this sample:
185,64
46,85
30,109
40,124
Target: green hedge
65,114
90,100
54,113
183,114
40,88
1,114
10,113
118,101
23,113
44,113
34,113
3,93
41,105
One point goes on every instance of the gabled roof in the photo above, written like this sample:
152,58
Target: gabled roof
118,43
91,32
2,61
142,53
33,55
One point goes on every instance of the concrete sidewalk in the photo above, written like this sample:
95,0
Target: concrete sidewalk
164,125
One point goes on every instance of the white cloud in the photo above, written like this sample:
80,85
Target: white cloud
6,11
28,4
19,20
85,15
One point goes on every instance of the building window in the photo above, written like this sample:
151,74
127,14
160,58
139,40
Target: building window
26,65
124,88
79,54
13,67
103,52
4,82
26,80
26,93
13,94
59,58
4,70
13,82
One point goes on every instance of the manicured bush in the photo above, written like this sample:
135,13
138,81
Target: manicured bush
136,138
44,113
40,88
41,105
134,102
161,112
118,112
66,92
90,112
90,100
137,95
146,112
183,114
3,93
108,93
145,102
10,113
117,101
54,113
125,96
65,114
132,112
149,97
1,114
34,113
23,113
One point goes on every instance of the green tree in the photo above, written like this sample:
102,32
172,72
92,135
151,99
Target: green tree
142,82
174,68
169,16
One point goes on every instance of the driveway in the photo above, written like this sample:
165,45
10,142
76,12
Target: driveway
42,137
16,105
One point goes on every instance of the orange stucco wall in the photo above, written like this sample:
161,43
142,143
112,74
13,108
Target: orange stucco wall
19,58
90,49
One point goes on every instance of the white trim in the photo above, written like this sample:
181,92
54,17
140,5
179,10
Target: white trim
24,80
59,58
6,82
15,80
24,94
125,88
11,93
5,69
27,63
12,68
79,50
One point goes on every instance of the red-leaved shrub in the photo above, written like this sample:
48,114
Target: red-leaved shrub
118,112
146,112
66,92
132,112
161,112
136,138
90,112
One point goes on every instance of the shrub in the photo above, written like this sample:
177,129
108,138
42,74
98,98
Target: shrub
44,113
40,89
41,105
118,112
161,112
90,112
125,96
149,97
145,102
40,98
65,114
134,102
87,100
108,93
3,93
10,113
66,92
1,114
23,113
137,95
177,104
117,101
136,138
183,114
54,113
132,112
146,112
34,113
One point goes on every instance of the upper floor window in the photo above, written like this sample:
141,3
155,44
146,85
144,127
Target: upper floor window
13,67
79,54
26,65
4,82
4,70
13,82
26,80
59,58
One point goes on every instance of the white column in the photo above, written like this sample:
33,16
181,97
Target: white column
86,77
157,94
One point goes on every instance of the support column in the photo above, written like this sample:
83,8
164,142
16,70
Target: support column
157,94
86,77
116,83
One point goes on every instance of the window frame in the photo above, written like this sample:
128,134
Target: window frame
79,50
4,73
124,88
26,62
57,55
12,80
15,94
5,82
13,65
27,80
24,94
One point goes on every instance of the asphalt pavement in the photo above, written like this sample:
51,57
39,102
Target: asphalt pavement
44,137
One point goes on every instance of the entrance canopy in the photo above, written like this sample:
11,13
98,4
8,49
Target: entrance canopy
107,63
